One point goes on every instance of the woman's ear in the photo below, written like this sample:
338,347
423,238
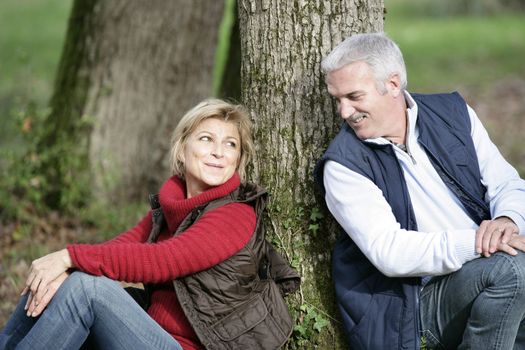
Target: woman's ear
239,160
180,156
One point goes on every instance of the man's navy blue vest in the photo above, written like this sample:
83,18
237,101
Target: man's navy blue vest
381,312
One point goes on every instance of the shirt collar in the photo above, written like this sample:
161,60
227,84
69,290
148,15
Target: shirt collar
411,117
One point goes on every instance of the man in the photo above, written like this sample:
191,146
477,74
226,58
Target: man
432,213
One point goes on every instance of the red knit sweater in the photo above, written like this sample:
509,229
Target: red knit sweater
215,237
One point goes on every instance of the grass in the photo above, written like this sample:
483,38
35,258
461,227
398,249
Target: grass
450,52
30,44
32,33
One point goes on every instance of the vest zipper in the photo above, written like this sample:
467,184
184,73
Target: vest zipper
468,200
406,143
406,151
417,326
410,155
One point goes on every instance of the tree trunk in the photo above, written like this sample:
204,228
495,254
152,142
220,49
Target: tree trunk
131,69
282,44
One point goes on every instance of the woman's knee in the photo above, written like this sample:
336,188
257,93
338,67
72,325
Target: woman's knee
78,280
80,283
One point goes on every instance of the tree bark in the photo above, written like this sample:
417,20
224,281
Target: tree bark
282,44
131,69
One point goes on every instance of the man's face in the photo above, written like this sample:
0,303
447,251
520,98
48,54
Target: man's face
369,112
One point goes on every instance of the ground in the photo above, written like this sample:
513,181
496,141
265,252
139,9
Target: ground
502,109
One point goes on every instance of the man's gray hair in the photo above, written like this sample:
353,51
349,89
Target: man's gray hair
376,49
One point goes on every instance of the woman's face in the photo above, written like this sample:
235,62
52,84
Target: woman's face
211,155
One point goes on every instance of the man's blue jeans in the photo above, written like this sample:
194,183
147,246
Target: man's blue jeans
85,306
480,306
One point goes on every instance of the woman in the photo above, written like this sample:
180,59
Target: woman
200,255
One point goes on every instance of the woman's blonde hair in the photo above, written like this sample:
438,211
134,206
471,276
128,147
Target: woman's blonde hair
212,108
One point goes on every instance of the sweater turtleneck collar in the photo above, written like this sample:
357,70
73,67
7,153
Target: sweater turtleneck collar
176,206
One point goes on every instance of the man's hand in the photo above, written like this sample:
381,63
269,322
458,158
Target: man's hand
517,242
45,270
35,308
494,235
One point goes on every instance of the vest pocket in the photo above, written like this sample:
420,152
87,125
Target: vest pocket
263,322
382,320
241,319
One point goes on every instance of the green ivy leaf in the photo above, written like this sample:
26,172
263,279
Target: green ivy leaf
316,215
320,323
301,330
313,228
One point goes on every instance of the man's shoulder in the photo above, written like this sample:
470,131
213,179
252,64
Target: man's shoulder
450,101
345,136
347,141
448,108
346,149
454,95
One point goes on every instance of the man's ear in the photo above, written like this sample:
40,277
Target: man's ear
393,85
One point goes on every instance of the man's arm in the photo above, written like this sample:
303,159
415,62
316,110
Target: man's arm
361,209
505,192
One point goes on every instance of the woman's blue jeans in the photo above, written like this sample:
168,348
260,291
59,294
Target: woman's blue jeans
83,306
480,306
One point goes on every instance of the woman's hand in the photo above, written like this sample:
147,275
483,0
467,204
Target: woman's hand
35,308
45,270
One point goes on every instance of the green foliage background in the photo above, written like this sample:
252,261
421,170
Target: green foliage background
31,36
444,50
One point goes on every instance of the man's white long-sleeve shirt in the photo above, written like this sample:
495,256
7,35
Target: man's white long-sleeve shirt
445,239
